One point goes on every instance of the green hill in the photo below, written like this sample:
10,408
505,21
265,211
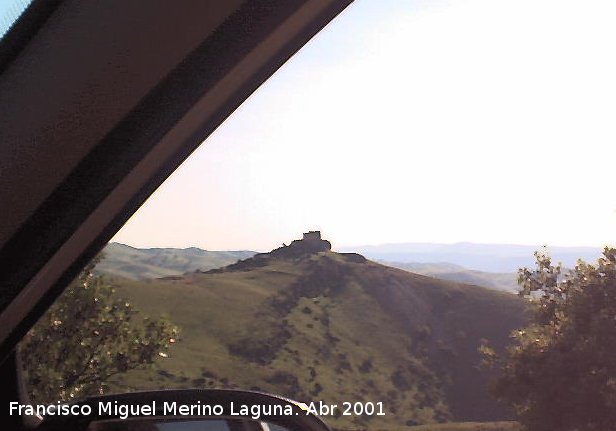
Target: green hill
318,325
141,263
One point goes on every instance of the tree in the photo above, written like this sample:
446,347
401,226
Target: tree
560,372
87,336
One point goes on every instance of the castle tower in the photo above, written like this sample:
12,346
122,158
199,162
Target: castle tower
313,235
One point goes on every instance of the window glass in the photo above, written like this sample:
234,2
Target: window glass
351,236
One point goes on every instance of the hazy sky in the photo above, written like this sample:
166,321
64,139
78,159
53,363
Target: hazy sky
414,121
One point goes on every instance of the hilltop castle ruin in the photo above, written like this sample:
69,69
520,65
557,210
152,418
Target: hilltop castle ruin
310,243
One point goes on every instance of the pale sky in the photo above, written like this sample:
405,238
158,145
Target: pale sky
487,121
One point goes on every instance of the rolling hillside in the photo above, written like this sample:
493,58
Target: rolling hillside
316,325
505,281
141,263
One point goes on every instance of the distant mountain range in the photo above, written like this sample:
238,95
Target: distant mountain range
140,263
492,266
500,258
505,281
311,324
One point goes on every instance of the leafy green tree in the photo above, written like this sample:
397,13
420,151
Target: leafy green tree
560,372
87,336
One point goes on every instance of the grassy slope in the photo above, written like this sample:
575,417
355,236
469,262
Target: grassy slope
141,263
138,264
327,328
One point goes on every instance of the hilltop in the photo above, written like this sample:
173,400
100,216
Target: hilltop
312,324
427,259
124,261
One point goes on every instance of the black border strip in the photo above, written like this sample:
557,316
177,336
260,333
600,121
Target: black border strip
298,419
